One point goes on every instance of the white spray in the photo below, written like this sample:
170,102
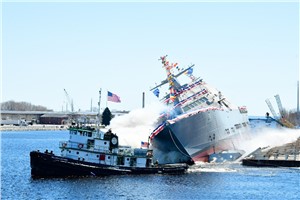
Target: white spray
269,137
137,125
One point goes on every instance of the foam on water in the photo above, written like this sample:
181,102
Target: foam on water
211,167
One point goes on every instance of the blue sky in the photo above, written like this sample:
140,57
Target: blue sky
249,51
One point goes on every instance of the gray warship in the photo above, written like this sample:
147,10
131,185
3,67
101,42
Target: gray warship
199,121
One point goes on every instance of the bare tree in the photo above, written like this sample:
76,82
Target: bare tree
22,106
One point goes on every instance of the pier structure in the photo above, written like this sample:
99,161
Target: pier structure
287,155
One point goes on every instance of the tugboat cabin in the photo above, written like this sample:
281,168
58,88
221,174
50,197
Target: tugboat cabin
96,146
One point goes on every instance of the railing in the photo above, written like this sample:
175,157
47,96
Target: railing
78,145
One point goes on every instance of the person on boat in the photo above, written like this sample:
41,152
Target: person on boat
156,163
109,133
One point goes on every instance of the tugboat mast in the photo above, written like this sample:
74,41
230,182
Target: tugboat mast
99,111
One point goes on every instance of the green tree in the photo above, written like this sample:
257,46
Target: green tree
106,117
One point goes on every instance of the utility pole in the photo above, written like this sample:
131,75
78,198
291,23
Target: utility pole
298,113
298,99
91,105
143,100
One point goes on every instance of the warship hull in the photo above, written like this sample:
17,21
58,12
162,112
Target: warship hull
194,136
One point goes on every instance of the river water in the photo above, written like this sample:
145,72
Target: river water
202,181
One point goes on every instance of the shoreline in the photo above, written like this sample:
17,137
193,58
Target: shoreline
39,127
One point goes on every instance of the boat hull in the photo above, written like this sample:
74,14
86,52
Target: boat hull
199,135
45,165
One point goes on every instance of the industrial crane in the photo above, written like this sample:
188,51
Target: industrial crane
271,108
70,101
284,120
282,117
279,104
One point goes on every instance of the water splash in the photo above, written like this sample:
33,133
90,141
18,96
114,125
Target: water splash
212,167
137,125
269,137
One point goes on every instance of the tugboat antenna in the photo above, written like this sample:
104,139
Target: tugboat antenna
99,110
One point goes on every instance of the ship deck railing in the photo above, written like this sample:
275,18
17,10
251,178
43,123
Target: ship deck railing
81,146
123,150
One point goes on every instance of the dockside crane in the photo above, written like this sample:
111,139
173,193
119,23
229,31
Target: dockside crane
282,117
69,100
279,104
283,113
271,108
72,115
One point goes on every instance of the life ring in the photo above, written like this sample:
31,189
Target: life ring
80,146
114,140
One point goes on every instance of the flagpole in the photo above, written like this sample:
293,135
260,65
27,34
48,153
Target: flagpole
106,97
99,106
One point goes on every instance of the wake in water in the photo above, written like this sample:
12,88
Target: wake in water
137,125
212,167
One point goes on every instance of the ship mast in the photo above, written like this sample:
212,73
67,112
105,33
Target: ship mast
173,84
170,78
175,76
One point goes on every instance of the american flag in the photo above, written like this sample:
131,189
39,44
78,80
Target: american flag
144,144
113,97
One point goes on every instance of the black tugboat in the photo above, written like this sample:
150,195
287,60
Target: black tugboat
92,152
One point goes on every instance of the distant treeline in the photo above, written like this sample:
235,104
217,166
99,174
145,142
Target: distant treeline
22,106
